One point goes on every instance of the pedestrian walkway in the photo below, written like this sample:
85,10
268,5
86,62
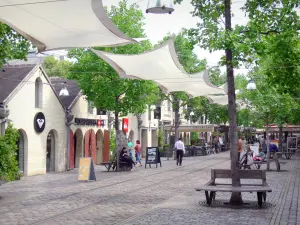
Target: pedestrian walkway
157,196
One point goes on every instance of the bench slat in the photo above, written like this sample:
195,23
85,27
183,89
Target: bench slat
226,188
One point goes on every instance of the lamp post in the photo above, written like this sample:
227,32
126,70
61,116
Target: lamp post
68,121
4,112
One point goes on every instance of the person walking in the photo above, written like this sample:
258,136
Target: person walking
138,149
180,150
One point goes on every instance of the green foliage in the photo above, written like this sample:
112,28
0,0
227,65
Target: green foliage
266,18
12,45
161,138
56,68
112,143
101,84
9,169
194,136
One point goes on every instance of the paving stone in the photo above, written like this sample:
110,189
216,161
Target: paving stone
160,196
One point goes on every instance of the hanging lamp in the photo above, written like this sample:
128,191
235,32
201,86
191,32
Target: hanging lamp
160,6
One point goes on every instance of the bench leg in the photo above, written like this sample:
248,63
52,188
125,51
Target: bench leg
277,165
208,200
213,195
265,196
259,198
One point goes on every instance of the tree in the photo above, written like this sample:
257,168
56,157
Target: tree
192,64
9,169
56,68
101,84
241,45
12,45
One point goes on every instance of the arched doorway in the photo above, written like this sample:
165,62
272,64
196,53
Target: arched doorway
90,144
78,147
50,151
100,147
106,148
22,151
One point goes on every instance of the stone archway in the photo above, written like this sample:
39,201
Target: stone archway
106,149
22,152
100,147
90,144
51,151
78,148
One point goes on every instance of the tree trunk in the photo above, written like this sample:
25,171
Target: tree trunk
280,138
268,147
236,197
177,118
118,138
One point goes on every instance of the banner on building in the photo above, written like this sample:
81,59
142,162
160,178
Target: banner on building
125,125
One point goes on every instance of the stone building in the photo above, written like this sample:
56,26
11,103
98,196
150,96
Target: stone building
39,113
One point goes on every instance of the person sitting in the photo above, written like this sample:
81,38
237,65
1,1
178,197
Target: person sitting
124,157
272,147
261,155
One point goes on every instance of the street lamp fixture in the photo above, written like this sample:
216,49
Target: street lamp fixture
64,91
251,85
160,7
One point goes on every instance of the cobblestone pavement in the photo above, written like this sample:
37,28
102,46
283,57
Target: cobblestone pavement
157,196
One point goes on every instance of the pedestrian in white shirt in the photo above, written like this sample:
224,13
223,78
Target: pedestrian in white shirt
180,150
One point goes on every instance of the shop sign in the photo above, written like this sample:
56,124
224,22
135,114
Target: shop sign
89,122
39,122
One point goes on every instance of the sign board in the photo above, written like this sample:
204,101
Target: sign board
152,156
39,122
292,142
89,122
86,169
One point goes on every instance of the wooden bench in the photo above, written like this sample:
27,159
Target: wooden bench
212,186
112,164
259,163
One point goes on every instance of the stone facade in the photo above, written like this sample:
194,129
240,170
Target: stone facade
21,104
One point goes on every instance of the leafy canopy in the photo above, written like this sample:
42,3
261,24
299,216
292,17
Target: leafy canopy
98,80
56,68
12,45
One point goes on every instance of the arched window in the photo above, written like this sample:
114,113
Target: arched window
38,93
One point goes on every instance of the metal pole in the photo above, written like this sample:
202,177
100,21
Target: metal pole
3,127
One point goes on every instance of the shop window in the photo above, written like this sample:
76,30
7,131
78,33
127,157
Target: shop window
38,93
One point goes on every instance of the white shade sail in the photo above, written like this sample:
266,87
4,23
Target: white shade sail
60,24
162,66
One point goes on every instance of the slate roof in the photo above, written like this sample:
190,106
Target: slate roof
10,78
72,87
